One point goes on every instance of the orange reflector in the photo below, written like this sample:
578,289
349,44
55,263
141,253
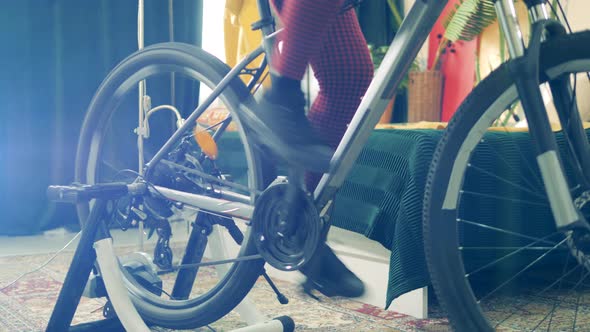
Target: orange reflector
205,142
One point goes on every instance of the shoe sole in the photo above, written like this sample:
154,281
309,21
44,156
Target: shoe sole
330,290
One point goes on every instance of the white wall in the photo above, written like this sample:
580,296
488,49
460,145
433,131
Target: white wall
578,13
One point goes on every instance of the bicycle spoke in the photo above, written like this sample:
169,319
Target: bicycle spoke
113,173
505,231
513,312
501,198
487,180
225,122
539,182
533,171
548,298
515,185
576,312
522,271
558,289
508,255
558,303
110,166
504,248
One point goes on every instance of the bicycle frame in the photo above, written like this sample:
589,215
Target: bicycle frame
402,51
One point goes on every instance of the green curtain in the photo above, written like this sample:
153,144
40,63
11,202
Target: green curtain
54,55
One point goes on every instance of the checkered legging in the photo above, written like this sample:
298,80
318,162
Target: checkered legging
333,43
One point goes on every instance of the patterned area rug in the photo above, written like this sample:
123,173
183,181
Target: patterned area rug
27,304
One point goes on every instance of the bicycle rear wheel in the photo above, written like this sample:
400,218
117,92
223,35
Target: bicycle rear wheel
495,257
162,291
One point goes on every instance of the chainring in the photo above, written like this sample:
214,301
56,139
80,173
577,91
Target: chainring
285,250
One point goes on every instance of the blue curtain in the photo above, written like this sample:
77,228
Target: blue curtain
53,56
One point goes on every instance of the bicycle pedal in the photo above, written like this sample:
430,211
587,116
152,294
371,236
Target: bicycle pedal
108,311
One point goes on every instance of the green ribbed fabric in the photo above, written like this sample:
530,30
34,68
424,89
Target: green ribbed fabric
382,199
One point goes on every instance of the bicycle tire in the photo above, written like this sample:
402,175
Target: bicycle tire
442,240
192,61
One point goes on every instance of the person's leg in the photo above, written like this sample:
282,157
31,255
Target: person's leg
280,121
305,26
344,70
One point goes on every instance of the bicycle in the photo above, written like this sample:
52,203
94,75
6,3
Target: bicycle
186,176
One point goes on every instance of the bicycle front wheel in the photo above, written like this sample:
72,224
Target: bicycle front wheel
156,260
495,257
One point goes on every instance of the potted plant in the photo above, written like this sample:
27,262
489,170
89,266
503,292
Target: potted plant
462,23
465,22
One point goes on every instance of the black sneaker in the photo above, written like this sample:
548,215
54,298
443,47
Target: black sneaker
286,131
327,274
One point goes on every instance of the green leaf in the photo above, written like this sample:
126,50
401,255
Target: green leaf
468,19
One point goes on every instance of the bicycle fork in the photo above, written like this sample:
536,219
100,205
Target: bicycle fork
525,69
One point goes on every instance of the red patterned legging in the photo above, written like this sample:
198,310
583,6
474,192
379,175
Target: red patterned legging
332,42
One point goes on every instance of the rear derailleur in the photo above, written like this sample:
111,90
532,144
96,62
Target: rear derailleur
153,213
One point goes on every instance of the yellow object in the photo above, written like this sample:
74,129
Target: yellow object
413,125
205,142
239,37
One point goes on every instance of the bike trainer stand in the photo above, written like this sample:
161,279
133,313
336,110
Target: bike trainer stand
95,237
